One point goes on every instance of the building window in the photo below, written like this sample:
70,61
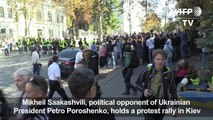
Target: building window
62,19
3,30
1,12
49,16
10,12
11,32
58,20
50,33
39,18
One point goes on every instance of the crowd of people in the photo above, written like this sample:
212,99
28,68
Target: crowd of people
112,49
158,80
51,45
83,85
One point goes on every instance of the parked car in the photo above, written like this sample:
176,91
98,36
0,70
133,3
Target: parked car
66,60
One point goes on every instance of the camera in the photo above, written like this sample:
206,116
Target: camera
152,94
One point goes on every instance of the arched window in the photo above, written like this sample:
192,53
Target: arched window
50,33
1,12
10,13
62,19
57,18
49,16
3,30
11,32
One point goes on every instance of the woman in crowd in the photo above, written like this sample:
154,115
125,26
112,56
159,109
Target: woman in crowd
184,70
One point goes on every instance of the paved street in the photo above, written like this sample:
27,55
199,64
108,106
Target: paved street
8,65
112,85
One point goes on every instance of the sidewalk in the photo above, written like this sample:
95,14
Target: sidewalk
108,77
105,76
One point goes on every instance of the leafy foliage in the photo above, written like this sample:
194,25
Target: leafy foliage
94,12
152,22
79,9
79,13
106,12
111,22
204,23
171,25
206,27
205,5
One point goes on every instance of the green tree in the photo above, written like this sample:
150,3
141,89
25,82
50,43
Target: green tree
78,12
111,23
204,24
94,12
105,15
171,25
206,27
205,5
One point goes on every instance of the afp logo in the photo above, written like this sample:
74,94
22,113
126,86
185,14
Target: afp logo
196,11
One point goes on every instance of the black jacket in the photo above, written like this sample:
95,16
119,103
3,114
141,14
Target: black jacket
144,82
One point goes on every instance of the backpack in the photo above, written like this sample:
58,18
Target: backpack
134,61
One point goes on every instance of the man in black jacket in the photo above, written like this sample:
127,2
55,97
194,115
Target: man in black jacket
83,85
156,82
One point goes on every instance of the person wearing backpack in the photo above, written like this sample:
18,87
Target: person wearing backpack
127,71
156,83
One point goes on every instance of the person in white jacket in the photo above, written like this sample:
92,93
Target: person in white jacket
6,49
168,48
35,62
150,43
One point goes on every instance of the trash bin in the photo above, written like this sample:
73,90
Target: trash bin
93,60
